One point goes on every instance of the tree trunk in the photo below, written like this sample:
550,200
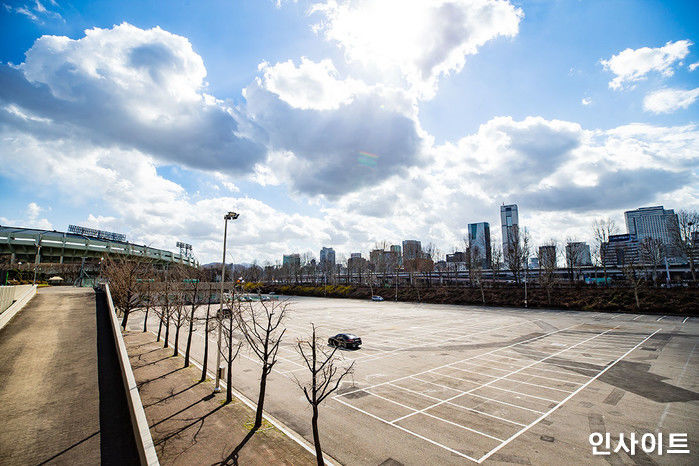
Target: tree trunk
177,336
167,330
316,436
482,293
635,294
189,336
160,327
145,322
204,364
126,317
229,376
258,418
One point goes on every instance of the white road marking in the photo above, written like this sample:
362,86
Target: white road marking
667,405
518,370
548,413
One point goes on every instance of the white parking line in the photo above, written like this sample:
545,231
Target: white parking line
514,372
465,359
456,452
543,416
458,405
480,396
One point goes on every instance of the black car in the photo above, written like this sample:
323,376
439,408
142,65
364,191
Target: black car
345,340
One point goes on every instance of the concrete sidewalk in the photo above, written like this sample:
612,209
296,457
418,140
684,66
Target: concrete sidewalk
191,426
61,396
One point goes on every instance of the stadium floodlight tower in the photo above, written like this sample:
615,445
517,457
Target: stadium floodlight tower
228,216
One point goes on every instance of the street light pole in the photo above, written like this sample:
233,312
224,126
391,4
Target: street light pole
228,216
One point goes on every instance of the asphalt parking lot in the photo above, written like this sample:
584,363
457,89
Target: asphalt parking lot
445,384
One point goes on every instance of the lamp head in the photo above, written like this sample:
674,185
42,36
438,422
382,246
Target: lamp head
231,216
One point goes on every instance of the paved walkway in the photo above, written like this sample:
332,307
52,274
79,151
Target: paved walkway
191,426
61,396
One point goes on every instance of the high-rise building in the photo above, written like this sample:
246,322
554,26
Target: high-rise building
356,261
456,256
651,222
620,250
578,254
412,249
376,257
479,242
292,260
509,219
396,250
327,258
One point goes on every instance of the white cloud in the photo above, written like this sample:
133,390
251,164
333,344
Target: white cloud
133,88
669,100
633,65
586,101
561,175
127,194
416,41
311,85
324,151
36,12
693,66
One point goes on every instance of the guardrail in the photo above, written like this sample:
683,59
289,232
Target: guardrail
21,296
144,441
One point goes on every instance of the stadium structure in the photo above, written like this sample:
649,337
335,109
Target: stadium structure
79,244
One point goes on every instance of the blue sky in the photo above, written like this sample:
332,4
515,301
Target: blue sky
171,113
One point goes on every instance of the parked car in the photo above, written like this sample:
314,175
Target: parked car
376,298
345,340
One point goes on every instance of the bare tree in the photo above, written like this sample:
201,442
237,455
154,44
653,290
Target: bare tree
652,252
573,257
547,267
123,274
207,330
170,301
602,229
325,378
261,325
683,237
495,260
229,325
633,275
178,317
517,252
475,271
194,302
147,297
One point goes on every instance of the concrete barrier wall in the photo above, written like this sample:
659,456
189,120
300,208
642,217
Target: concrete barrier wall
7,297
144,441
20,299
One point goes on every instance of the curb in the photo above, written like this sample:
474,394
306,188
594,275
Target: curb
17,306
329,460
141,430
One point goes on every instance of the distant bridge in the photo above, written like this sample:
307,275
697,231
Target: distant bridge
35,246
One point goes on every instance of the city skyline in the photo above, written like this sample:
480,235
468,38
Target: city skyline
334,124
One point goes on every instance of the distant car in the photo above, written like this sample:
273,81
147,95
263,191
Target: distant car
345,340
376,298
